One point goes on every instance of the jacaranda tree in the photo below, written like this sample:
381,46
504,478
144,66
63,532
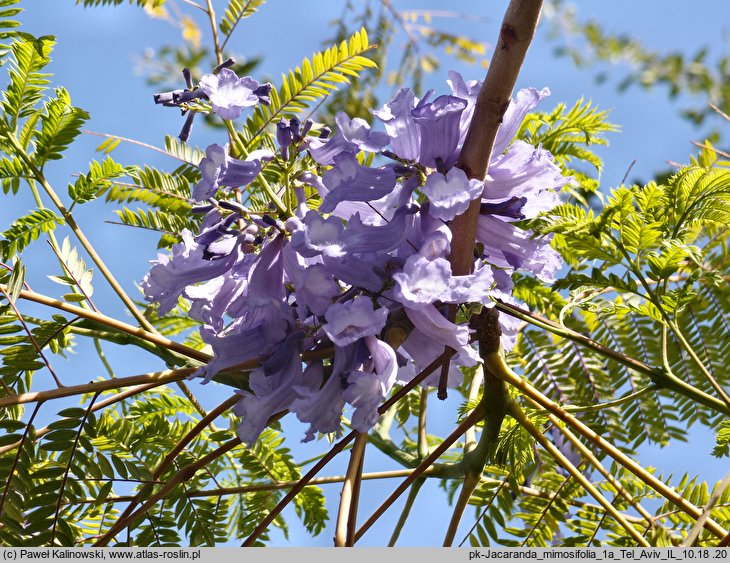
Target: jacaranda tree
344,257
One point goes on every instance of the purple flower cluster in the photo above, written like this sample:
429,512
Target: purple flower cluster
378,244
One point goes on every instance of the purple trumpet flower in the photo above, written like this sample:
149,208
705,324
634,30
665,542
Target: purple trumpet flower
404,132
361,238
219,169
274,389
367,388
466,91
527,173
170,275
439,124
317,235
450,194
424,282
230,94
347,180
525,101
352,136
353,320
508,246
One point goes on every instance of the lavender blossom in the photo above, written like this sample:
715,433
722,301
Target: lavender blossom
404,133
317,235
352,320
230,94
361,238
352,136
525,101
450,194
170,275
218,169
439,123
347,180
368,387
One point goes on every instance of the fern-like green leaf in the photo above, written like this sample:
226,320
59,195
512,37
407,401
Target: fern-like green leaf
91,185
26,229
61,124
236,11
27,83
310,82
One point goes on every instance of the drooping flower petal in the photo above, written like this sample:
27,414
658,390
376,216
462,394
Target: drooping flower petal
317,235
218,169
422,281
404,132
273,387
170,275
353,320
450,194
439,122
525,101
438,328
508,246
352,136
361,238
525,172
367,388
348,181
466,91
320,405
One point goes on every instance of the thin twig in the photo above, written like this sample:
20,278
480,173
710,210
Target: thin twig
337,448
148,379
185,473
535,432
474,417
72,452
348,496
33,341
499,368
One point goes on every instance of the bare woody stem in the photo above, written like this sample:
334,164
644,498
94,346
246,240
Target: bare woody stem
474,417
515,35
661,379
348,496
147,379
150,336
593,460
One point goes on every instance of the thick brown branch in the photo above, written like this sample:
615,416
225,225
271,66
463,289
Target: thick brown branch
518,28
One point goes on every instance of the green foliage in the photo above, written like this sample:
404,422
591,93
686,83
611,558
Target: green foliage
312,81
26,229
568,134
27,82
91,185
61,124
722,447
8,26
75,274
236,11
11,171
141,3
167,223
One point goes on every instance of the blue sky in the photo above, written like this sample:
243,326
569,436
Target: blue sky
96,60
